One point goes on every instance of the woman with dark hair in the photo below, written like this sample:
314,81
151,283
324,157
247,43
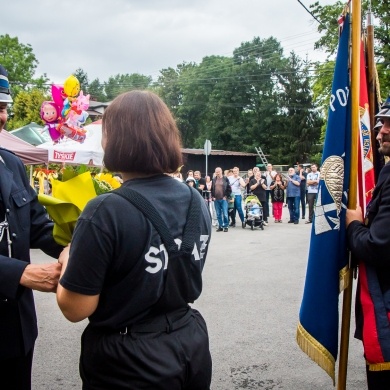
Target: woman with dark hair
135,262
277,188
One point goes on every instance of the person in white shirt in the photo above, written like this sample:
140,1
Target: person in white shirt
236,183
312,180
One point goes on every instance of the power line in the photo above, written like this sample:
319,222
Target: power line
311,13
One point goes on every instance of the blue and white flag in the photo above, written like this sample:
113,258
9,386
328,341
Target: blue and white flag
317,332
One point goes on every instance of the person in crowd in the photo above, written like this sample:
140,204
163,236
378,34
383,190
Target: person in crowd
313,179
135,262
208,197
220,190
269,177
293,193
190,173
277,188
237,183
369,241
302,186
231,210
200,182
258,188
23,225
249,177
254,209
176,175
190,181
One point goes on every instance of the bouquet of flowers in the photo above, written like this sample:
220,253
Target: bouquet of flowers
70,194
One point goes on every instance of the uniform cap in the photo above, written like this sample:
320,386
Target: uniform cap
384,112
5,93
378,125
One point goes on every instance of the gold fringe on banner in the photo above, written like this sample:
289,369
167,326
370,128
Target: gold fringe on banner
378,366
316,351
343,278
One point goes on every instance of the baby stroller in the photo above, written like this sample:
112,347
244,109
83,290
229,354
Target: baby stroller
253,213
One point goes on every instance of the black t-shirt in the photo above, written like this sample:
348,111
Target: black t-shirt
117,253
259,191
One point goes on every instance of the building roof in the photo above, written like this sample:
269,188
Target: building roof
217,152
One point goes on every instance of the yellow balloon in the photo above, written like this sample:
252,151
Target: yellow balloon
71,86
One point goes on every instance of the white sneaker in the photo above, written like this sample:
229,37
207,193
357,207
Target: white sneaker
265,223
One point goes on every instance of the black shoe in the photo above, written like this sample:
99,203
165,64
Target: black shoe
219,229
243,225
232,225
225,230
290,222
303,217
296,222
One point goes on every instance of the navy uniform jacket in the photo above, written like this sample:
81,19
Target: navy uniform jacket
29,228
370,242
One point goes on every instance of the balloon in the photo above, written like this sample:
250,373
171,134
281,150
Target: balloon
73,132
58,95
71,87
51,114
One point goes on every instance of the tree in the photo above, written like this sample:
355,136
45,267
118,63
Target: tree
96,90
301,121
26,108
126,82
20,62
83,80
177,87
259,62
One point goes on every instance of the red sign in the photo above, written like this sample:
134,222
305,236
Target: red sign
63,156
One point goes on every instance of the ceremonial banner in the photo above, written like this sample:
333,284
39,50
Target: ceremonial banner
366,154
317,332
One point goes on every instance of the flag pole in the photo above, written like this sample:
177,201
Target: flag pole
352,196
371,79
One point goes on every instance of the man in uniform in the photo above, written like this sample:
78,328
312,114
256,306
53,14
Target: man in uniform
369,242
23,225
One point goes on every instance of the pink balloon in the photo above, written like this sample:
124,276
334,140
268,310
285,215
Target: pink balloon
57,92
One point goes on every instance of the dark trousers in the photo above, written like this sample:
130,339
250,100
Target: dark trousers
232,215
293,208
15,373
303,202
311,198
265,206
378,380
138,360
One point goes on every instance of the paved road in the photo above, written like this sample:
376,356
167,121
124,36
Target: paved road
253,283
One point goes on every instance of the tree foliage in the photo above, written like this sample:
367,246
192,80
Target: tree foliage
26,108
328,27
125,82
20,62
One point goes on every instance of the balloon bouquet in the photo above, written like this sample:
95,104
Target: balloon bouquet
66,114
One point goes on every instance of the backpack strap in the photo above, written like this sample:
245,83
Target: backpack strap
151,213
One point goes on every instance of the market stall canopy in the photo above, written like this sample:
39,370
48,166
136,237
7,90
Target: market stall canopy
27,153
32,133
67,151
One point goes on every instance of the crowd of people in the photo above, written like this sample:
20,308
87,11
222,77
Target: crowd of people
225,193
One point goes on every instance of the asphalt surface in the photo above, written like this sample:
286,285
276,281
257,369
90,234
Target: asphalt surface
253,284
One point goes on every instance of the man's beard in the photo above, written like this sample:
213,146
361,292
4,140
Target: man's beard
385,149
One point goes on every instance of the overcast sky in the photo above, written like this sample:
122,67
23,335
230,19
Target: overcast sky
107,37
